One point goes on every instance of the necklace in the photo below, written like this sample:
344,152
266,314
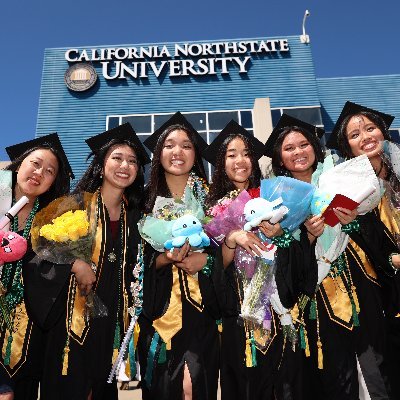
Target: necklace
112,257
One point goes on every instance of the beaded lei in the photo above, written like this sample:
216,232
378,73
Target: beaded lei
14,295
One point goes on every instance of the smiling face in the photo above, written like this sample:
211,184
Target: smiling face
297,154
238,166
364,137
178,154
120,166
37,173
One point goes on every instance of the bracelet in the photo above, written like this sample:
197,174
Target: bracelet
230,248
351,227
284,240
396,270
206,270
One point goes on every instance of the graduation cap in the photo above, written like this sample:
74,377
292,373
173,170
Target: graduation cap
233,128
353,109
52,140
176,119
122,132
287,121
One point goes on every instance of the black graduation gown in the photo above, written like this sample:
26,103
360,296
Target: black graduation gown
343,341
91,344
29,344
195,343
278,373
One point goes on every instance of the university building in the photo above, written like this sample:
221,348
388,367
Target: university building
86,90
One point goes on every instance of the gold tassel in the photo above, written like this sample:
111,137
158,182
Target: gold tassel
320,355
65,361
136,335
249,361
128,367
115,355
355,299
307,349
168,345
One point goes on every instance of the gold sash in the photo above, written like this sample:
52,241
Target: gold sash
170,323
22,334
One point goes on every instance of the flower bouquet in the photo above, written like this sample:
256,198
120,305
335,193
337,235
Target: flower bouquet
64,231
172,222
293,198
354,179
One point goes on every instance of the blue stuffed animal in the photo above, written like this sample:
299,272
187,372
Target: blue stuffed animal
189,227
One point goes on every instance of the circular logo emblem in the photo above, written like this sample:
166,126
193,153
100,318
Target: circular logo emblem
80,77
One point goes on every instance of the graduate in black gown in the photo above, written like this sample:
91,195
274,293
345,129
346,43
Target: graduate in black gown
345,317
178,340
361,130
273,373
42,174
83,348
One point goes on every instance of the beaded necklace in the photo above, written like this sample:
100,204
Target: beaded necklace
198,186
13,284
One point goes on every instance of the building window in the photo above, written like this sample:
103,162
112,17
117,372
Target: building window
312,115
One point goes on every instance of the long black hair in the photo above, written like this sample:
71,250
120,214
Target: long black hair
92,178
221,184
277,165
61,184
342,139
157,185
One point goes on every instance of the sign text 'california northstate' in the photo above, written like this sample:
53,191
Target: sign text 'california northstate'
195,59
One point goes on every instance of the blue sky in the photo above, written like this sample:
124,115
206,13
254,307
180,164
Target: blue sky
348,38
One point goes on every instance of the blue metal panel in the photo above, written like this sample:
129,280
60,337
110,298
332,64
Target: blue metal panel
381,93
286,78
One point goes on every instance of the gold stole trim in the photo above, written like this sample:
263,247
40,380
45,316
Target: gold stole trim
386,216
79,324
334,293
21,334
169,324
362,261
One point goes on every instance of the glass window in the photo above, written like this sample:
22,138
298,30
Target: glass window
140,123
112,122
218,120
159,120
198,120
276,115
310,115
246,119
394,133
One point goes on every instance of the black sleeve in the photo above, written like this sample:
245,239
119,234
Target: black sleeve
296,270
209,285
45,290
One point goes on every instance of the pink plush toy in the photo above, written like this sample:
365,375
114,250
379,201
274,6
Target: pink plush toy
12,247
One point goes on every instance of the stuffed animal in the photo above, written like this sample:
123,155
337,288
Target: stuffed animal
258,210
320,202
189,227
12,247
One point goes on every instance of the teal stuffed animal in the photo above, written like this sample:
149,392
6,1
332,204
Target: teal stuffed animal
187,227
320,202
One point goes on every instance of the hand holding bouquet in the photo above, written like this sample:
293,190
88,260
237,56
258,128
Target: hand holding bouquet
64,231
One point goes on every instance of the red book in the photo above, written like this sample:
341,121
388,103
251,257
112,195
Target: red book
338,201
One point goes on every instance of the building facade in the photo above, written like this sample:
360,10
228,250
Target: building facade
87,90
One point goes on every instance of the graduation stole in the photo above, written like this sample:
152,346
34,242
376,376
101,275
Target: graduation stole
183,286
76,316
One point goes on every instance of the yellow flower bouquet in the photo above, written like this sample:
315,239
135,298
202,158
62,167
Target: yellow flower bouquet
64,230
